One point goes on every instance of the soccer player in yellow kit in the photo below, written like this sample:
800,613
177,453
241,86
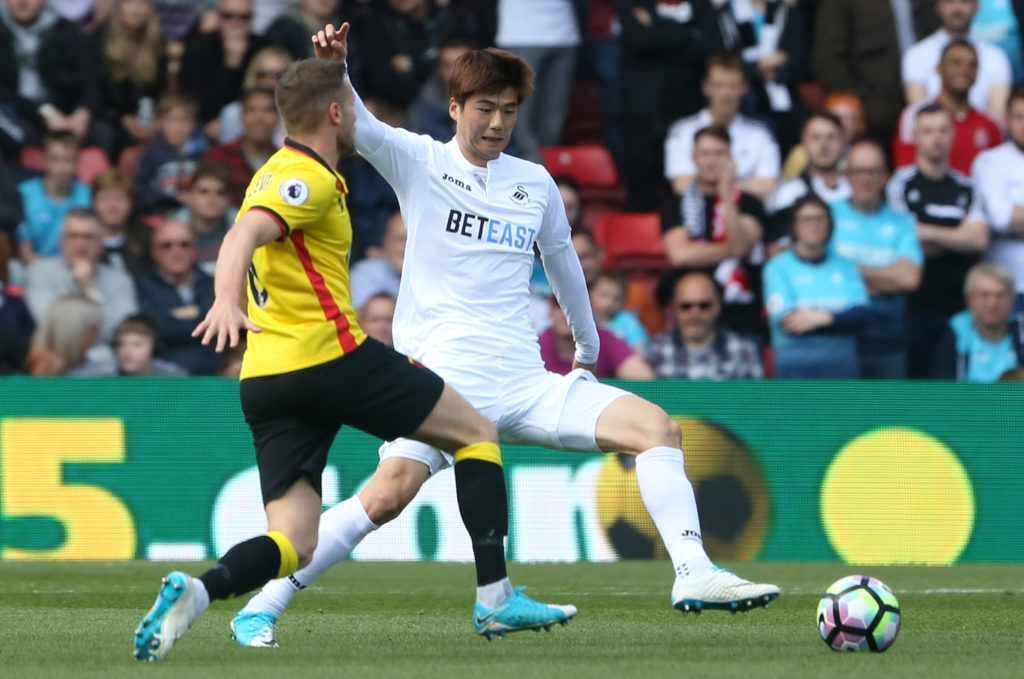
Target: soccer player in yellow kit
309,368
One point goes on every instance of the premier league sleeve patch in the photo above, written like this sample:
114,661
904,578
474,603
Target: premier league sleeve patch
294,191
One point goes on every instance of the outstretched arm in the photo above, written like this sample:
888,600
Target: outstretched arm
225,318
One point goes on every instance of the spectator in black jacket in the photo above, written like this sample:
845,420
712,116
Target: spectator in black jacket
46,74
169,159
177,295
293,29
663,55
214,63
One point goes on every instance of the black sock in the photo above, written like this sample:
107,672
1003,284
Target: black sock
483,504
245,567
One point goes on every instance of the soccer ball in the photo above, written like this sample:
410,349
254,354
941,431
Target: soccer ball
859,613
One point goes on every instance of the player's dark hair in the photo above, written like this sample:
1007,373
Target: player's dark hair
490,71
816,201
718,132
305,91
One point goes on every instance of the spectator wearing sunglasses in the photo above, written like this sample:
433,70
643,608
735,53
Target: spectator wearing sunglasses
698,348
816,301
177,294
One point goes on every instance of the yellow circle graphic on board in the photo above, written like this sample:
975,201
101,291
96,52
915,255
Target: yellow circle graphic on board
897,496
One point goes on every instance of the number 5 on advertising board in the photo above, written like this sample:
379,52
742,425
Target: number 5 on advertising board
33,452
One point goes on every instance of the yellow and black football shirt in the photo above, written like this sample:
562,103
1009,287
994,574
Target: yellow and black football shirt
299,285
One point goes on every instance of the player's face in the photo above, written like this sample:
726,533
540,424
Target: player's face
259,119
866,172
113,206
208,198
933,136
724,88
135,13
989,301
135,353
956,15
824,143
810,226
1015,122
483,125
696,308
346,139
958,70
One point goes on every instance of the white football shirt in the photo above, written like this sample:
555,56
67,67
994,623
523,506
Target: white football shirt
469,255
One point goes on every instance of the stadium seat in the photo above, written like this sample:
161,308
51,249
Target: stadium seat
33,158
631,240
128,161
589,164
91,161
154,221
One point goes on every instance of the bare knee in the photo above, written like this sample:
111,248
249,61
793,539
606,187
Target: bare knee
658,430
481,429
384,503
304,549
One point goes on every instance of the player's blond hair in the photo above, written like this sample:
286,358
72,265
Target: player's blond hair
305,91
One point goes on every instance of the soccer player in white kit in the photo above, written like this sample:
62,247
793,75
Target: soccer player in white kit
473,215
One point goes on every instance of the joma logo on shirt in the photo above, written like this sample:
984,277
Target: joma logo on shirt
479,227
458,182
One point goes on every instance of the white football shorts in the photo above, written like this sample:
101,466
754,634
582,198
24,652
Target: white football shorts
531,407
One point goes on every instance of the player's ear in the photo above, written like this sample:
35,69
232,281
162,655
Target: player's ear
334,113
454,109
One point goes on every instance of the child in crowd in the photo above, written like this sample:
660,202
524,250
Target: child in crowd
607,298
170,158
135,346
48,198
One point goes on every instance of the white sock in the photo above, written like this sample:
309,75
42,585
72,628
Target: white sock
342,527
668,496
493,594
202,597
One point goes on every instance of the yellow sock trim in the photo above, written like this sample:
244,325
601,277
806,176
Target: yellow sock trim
289,557
485,450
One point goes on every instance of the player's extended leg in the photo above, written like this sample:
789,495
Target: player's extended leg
633,425
391,488
457,428
288,544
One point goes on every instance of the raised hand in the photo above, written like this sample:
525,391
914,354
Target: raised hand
331,43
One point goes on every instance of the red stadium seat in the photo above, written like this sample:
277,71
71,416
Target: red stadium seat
91,161
128,161
590,164
33,158
631,240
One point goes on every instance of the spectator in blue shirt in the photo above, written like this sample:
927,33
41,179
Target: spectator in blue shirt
816,301
47,199
984,340
883,244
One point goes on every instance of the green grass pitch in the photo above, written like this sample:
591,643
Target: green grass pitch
412,620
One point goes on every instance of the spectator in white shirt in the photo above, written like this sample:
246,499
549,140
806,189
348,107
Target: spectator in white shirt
999,180
754,151
921,78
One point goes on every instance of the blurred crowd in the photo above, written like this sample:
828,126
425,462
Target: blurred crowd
826,188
